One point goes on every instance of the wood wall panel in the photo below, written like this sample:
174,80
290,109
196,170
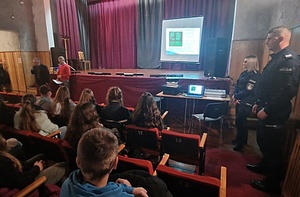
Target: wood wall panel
19,70
19,64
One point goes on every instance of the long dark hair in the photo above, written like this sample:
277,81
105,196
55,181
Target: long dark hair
146,113
83,118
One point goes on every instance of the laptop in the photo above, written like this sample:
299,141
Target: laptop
195,91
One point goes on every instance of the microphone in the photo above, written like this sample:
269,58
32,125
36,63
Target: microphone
72,68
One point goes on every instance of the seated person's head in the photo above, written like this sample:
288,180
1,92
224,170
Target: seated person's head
28,100
146,102
87,95
45,91
97,153
62,94
114,95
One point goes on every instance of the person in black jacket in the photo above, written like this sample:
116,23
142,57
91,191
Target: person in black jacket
244,98
40,72
16,174
278,85
4,79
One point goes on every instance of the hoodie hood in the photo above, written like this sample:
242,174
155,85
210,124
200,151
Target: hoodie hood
75,186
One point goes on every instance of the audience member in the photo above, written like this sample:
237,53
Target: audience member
244,98
83,118
4,79
96,158
30,118
45,100
15,174
62,106
6,114
63,72
146,113
277,86
87,95
114,114
40,72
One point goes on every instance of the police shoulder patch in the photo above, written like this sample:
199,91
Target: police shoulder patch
250,86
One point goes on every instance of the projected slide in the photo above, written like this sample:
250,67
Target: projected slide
181,40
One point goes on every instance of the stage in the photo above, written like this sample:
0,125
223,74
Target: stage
135,84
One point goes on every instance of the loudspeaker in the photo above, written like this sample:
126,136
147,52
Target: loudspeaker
55,53
215,57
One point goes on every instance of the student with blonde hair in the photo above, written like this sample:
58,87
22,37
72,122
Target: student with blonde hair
87,95
62,105
31,118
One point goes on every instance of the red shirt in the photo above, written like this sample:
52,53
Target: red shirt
64,71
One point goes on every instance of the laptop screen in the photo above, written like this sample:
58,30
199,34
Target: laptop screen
196,90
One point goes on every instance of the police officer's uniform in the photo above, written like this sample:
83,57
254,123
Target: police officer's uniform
277,86
244,91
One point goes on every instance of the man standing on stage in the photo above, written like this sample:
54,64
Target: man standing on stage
64,71
40,72
277,86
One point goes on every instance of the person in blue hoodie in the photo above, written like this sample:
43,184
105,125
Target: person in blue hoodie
96,157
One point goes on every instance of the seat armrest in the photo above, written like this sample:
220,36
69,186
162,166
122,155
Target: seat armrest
163,161
203,141
54,133
223,181
164,114
121,147
30,188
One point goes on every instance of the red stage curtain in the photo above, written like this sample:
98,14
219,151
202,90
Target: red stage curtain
113,32
68,27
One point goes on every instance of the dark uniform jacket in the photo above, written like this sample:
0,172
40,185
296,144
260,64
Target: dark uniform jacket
279,84
41,74
244,89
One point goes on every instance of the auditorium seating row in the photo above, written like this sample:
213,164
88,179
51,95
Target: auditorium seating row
186,148
59,150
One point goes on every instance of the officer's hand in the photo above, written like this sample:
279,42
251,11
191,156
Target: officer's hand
254,108
262,114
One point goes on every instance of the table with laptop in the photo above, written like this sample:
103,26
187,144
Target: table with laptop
195,92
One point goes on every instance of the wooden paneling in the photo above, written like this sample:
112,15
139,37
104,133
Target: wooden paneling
19,64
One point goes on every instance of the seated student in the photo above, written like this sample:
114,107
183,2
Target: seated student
45,100
114,114
83,118
6,114
146,113
87,95
114,110
30,118
62,106
96,158
16,175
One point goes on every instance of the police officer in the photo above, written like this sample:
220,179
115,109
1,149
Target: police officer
244,98
277,86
